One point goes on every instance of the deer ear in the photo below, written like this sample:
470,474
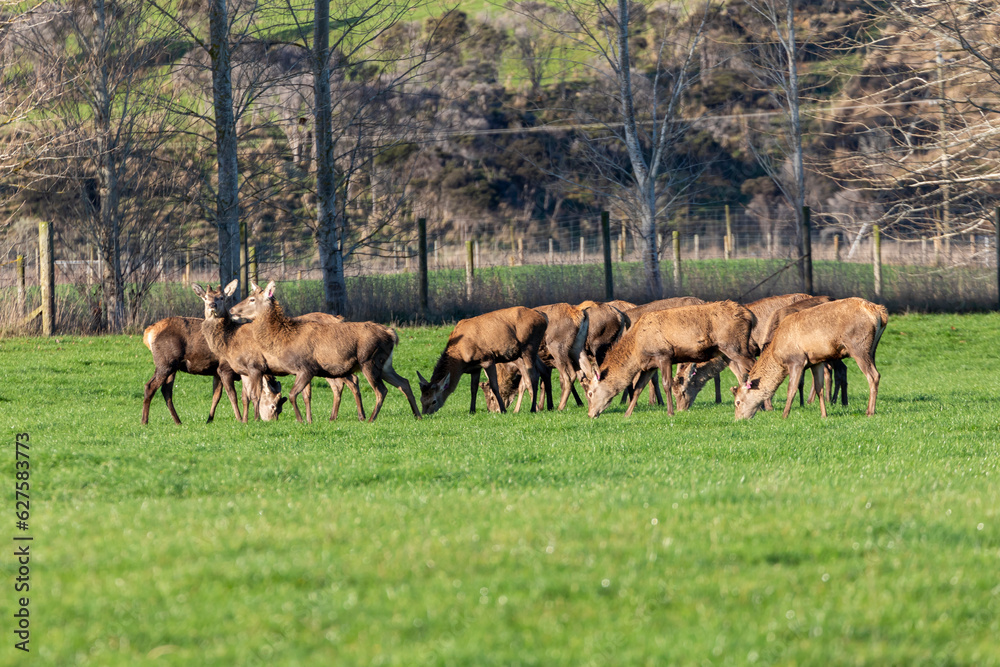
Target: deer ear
734,390
423,382
199,290
254,286
269,290
231,288
446,382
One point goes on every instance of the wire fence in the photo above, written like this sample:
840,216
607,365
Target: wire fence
724,252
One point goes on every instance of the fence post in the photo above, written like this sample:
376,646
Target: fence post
22,291
677,262
996,247
187,268
609,281
583,247
729,235
520,251
47,274
552,250
877,260
697,249
470,268
836,247
621,242
252,259
422,265
244,264
807,255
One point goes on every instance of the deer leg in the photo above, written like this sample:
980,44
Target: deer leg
372,373
794,377
818,371
827,379
839,383
396,380
159,377
228,380
718,389
307,398
545,375
355,386
216,396
337,388
640,383
867,367
168,396
491,377
655,397
566,386
812,391
666,371
301,381
530,375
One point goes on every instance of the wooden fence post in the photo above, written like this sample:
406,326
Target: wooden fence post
697,249
877,260
807,259
244,264
583,248
470,268
729,235
187,268
996,247
252,259
836,247
609,281
422,265
552,250
47,274
677,263
22,290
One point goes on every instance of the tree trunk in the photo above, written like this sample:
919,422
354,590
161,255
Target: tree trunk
650,249
107,174
328,232
797,168
227,217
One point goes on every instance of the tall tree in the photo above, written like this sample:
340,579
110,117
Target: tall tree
227,217
647,123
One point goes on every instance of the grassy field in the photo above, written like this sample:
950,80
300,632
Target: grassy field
518,539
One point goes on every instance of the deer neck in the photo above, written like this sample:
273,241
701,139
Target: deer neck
448,365
770,371
621,363
272,327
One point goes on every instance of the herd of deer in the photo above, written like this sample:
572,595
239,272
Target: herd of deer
611,348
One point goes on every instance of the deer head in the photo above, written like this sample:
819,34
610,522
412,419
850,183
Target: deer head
432,394
216,300
256,303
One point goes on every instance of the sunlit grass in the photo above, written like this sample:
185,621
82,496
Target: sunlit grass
520,538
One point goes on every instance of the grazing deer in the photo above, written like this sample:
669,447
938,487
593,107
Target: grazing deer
661,338
689,381
606,324
633,315
834,369
564,348
511,381
846,328
328,349
480,343
177,344
271,399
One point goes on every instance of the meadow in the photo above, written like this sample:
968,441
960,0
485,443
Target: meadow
533,539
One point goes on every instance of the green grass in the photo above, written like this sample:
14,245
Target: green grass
502,539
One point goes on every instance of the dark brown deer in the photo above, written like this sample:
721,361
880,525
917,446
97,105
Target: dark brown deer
689,381
330,349
846,328
606,324
661,338
177,344
835,369
511,382
480,343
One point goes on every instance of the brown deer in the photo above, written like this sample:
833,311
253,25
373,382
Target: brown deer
834,369
633,315
845,328
562,350
177,344
271,399
232,342
664,337
606,324
329,349
480,343
336,384
689,381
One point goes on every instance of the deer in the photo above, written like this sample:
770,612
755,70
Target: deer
271,400
689,381
336,384
232,342
606,324
177,344
633,315
562,349
479,344
328,349
661,338
849,327
834,369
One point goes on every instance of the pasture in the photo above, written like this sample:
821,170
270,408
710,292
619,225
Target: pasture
510,539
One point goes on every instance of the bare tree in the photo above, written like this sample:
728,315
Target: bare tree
97,62
923,122
647,123
536,32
